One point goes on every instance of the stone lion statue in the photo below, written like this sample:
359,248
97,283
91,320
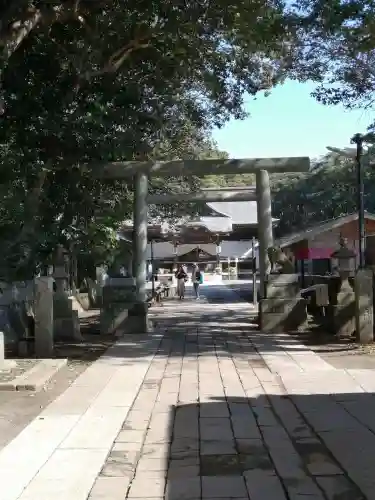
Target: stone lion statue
280,262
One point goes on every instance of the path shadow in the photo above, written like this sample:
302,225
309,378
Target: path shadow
306,446
218,333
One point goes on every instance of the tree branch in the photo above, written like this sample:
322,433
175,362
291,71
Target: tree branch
19,30
115,61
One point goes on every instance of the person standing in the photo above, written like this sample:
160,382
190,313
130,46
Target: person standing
197,279
181,278
150,271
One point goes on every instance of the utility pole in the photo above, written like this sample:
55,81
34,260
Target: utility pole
358,140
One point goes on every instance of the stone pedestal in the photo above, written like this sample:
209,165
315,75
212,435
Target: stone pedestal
282,315
11,337
61,278
282,286
119,297
283,310
341,309
43,314
364,306
138,319
66,320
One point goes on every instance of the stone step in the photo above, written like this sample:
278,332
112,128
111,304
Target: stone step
36,378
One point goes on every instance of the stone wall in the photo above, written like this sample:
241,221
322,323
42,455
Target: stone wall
16,312
32,316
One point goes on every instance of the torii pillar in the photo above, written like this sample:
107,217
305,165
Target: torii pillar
139,265
140,172
265,233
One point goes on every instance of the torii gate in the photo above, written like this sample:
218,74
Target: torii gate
140,171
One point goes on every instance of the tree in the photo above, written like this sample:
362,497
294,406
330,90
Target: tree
327,192
336,49
88,82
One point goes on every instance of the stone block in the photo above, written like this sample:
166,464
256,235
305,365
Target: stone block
120,291
283,286
364,306
118,299
282,315
138,323
223,487
183,488
114,488
68,328
19,319
10,335
264,484
38,376
25,348
112,318
62,305
341,319
283,279
43,310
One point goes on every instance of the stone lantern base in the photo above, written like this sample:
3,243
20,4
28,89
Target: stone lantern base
283,309
341,309
364,305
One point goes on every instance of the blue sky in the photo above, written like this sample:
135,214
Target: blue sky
290,123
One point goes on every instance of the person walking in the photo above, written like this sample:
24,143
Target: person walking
181,278
197,279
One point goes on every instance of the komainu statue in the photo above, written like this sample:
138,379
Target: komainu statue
280,262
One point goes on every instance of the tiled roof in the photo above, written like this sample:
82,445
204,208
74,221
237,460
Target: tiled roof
240,212
312,231
214,224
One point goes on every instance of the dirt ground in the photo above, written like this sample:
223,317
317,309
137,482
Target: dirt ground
340,353
19,408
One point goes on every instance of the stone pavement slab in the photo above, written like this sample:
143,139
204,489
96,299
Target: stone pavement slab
204,408
36,377
64,449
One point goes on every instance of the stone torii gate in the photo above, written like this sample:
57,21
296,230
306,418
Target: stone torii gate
140,171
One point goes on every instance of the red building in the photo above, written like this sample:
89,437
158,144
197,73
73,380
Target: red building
315,244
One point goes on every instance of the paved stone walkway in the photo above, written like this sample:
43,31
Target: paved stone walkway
205,408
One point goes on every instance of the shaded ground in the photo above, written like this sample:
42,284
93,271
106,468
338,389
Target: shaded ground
211,421
93,345
341,353
205,407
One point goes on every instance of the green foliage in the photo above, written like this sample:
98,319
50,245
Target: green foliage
86,82
336,49
327,192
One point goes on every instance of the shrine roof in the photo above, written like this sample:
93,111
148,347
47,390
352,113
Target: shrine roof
316,229
240,212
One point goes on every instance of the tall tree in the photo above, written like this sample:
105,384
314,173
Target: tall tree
328,191
85,82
